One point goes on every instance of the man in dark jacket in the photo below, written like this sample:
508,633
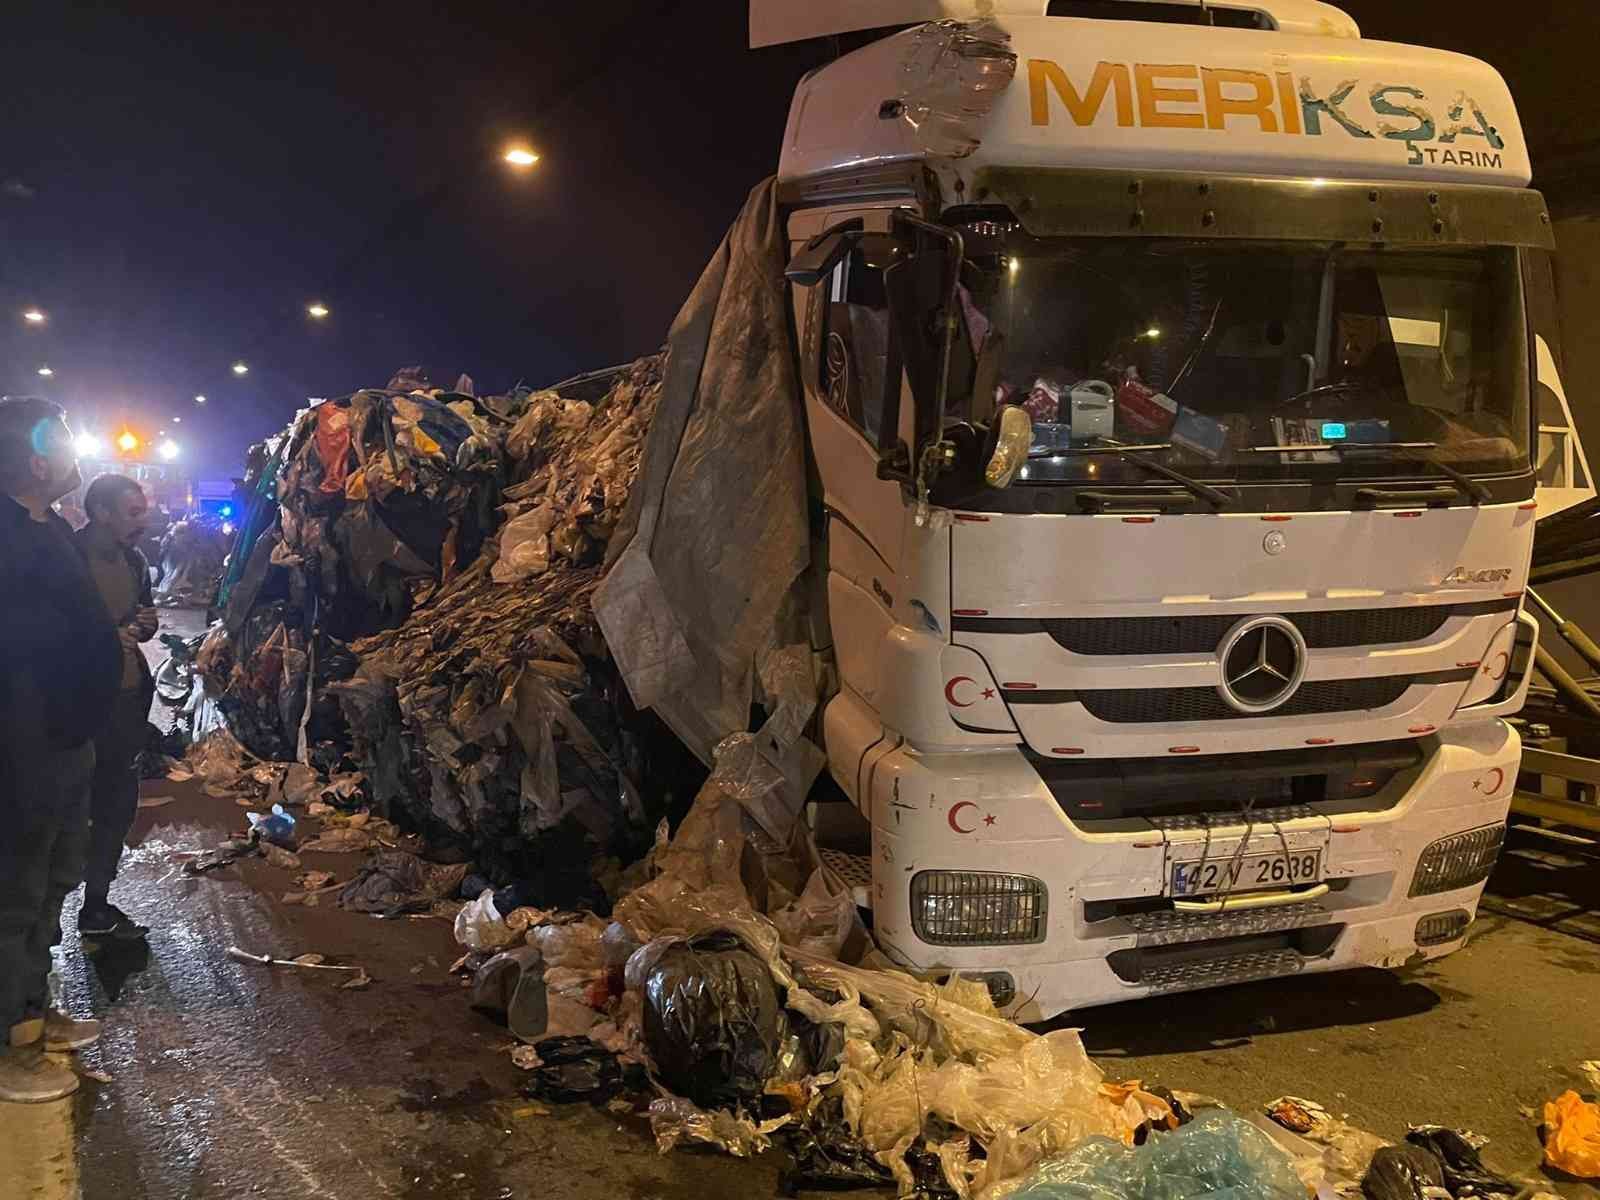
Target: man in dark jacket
62,664
117,511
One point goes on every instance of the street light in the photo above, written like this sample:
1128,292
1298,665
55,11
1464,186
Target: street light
33,316
168,450
521,156
240,368
86,445
126,442
177,420
199,399
46,372
317,311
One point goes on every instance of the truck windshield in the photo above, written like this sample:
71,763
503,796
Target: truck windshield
1207,352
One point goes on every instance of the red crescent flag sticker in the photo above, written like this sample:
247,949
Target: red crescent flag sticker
1489,789
955,809
950,691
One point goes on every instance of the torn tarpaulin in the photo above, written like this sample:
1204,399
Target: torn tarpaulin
705,583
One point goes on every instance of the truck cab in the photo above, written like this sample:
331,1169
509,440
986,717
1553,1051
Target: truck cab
1180,388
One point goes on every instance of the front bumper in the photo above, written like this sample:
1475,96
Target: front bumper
1111,930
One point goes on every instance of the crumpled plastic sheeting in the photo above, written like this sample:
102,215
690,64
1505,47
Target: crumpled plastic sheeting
951,77
674,1119
1216,1154
704,582
495,695
948,1053
1572,1135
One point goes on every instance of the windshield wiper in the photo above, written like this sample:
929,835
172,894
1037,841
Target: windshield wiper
1405,451
1130,454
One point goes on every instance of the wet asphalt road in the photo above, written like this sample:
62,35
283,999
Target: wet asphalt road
228,1079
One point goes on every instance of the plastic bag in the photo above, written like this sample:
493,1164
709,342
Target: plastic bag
276,827
524,546
572,1069
1405,1173
1572,1135
1350,1150
479,925
712,1021
511,985
1215,1154
575,975
1464,1172
821,919
674,1119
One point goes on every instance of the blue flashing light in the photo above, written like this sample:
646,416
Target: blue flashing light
1332,431
227,509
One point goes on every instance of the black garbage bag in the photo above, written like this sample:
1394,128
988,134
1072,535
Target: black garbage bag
1404,1173
712,1021
825,1155
574,1068
1464,1172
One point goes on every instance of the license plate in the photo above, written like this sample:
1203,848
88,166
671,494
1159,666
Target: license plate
1252,872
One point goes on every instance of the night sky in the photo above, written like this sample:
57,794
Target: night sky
176,186
175,189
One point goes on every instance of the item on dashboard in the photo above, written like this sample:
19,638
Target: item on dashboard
1202,434
1050,437
1043,401
1093,409
1143,411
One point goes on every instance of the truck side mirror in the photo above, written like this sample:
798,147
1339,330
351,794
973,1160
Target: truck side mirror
814,261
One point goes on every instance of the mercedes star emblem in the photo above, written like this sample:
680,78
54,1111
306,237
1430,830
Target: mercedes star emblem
1263,660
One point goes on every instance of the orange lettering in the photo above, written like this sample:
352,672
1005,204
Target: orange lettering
1220,107
1145,76
1289,101
1043,75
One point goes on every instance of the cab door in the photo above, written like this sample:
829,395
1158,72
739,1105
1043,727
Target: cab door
854,396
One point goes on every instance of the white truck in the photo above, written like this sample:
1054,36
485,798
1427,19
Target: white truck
1180,386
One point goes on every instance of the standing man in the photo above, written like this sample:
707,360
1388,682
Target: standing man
117,511
61,668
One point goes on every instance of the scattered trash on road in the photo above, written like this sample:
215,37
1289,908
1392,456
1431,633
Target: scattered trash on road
1572,1135
1405,1173
358,977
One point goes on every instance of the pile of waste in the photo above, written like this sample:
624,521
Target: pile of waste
412,602
490,718
191,560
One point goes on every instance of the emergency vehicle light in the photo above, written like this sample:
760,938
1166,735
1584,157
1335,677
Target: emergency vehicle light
977,908
1458,861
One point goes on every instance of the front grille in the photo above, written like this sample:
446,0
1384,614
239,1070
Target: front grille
1214,972
1202,634
1141,706
1223,960
1164,927
1179,794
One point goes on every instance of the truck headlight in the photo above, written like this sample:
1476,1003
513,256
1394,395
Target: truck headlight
977,908
1458,861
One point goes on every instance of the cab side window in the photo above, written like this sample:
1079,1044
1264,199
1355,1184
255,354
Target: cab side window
857,367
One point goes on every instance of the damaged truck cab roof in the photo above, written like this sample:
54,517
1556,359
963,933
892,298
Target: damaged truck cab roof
1022,90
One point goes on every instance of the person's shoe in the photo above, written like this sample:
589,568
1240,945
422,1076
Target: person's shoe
109,921
28,1077
63,1033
